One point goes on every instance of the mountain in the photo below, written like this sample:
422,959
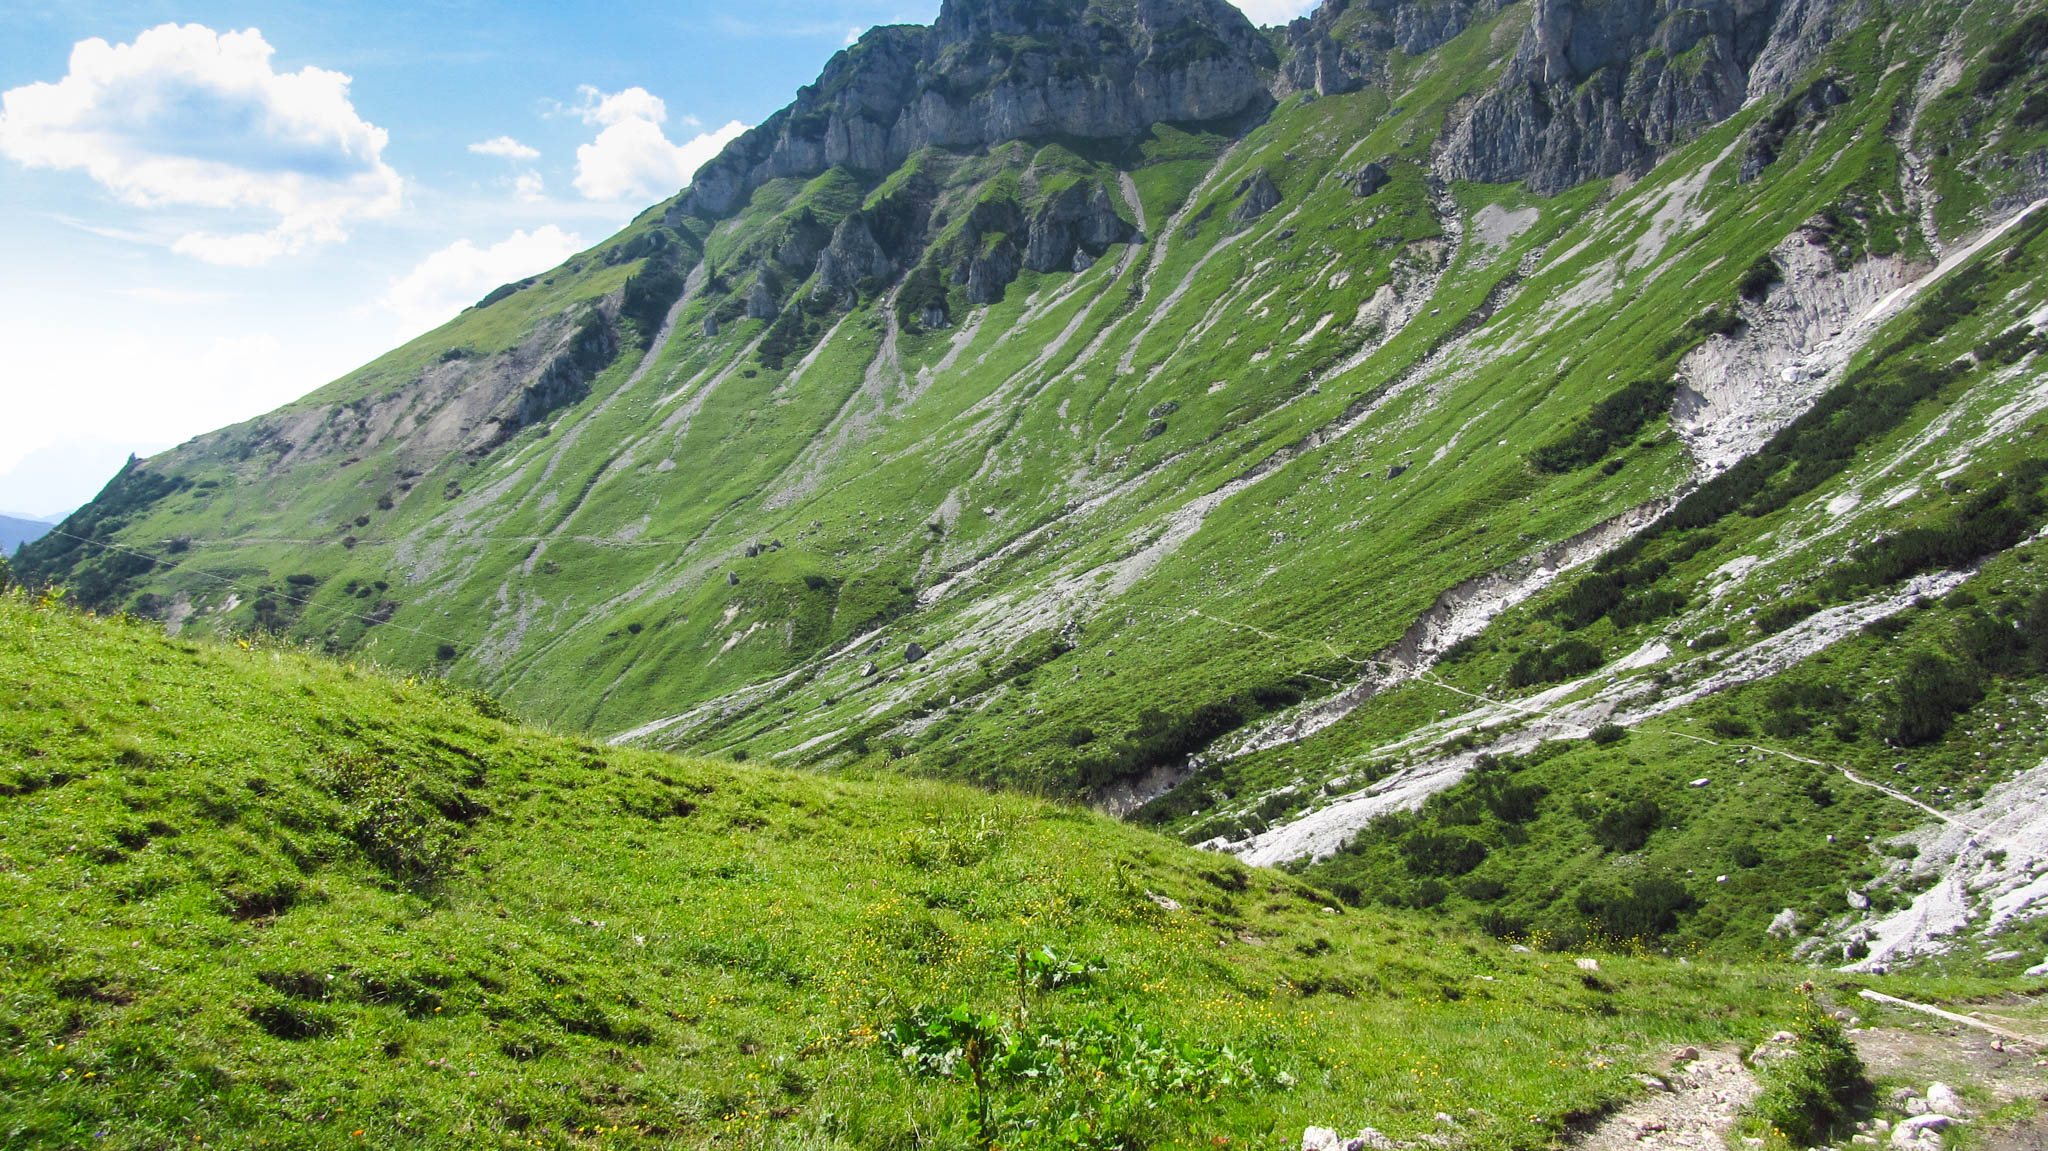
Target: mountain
16,531
1484,453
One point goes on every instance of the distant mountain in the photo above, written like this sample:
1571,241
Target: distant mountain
1421,442
16,531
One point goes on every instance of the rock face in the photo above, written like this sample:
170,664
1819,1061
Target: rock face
1595,87
1337,48
1067,233
996,70
1079,220
1601,89
761,300
1803,110
853,255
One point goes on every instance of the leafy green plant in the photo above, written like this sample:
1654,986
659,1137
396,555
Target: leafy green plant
1092,1083
1626,827
1043,969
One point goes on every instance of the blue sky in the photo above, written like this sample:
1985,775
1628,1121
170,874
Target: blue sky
208,209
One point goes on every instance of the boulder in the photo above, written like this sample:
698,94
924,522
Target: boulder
1784,926
1921,1131
1258,196
1365,181
914,652
1943,1100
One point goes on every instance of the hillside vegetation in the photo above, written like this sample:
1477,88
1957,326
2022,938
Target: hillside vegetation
256,896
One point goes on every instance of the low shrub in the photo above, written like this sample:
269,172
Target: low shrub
1808,1091
1931,692
1555,664
1627,827
1612,423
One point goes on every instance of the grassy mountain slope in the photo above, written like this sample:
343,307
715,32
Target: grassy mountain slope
258,896
1275,514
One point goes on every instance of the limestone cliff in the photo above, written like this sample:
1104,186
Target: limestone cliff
996,70
1596,90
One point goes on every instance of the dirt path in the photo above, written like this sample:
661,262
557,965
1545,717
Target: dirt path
1696,1105
1699,1103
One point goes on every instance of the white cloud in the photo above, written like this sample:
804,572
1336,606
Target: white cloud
633,159
530,188
458,275
1266,13
187,117
505,147
852,37
634,103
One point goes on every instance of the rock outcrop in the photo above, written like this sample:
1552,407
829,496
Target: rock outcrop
1257,196
1079,220
853,255
1366,180
996,70
761,303
1802,110
1597,90
1338,47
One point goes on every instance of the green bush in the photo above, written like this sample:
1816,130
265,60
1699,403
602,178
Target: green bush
1779,616
1808,1091
1555,664
1612,423
1760,277
1627,827
1990,522
1439,853
2015,54
1931,692
1646,908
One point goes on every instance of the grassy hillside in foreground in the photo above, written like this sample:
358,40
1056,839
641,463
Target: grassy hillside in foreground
254,896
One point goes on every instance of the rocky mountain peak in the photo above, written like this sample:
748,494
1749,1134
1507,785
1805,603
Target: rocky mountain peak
990,71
